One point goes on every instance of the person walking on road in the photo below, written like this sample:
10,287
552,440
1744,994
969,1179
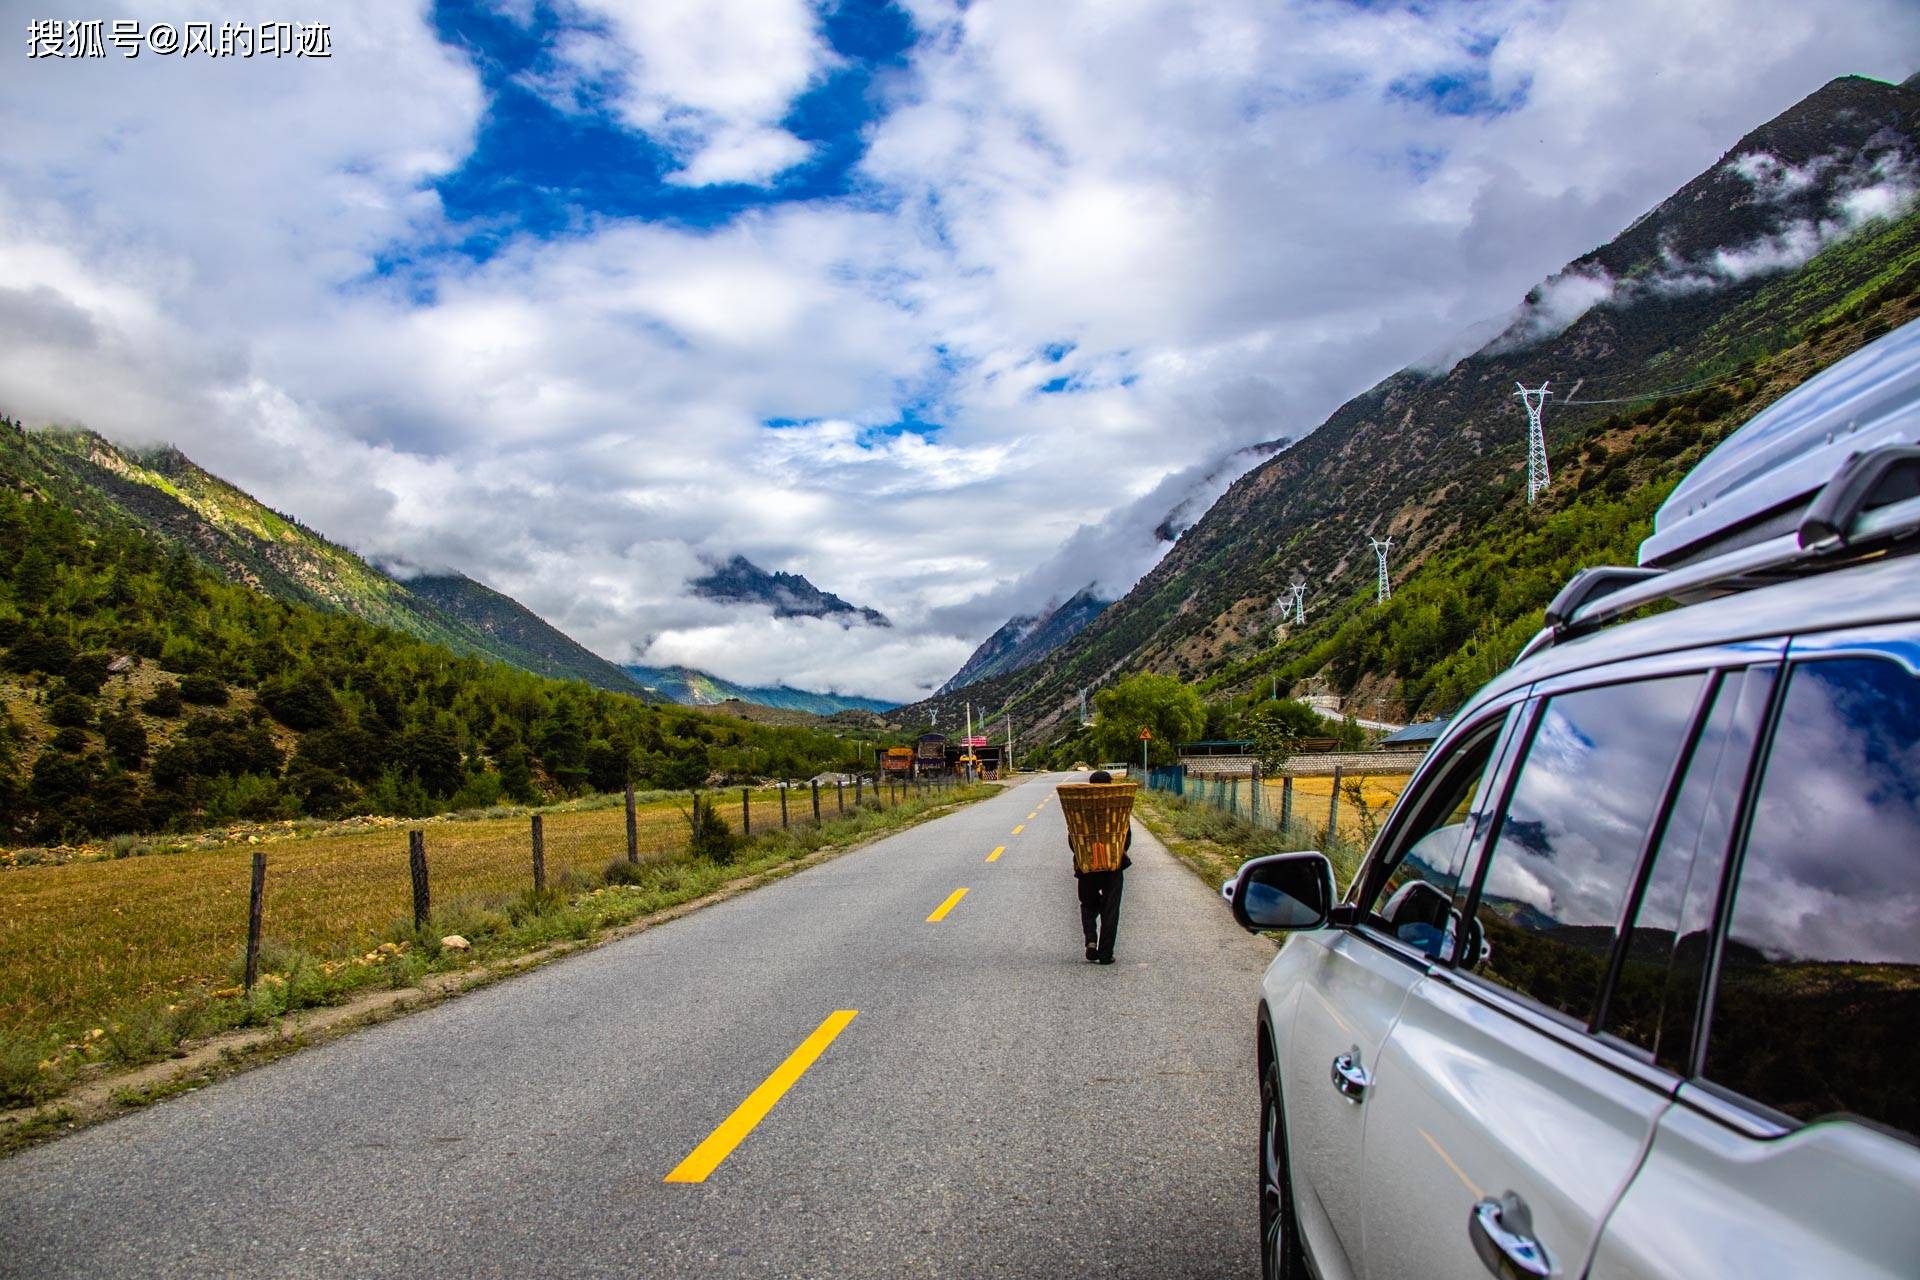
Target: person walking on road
1100,895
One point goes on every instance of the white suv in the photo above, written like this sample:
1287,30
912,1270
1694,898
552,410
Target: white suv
1629,983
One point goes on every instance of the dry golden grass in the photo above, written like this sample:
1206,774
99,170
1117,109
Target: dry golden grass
1311,800
1312,796
79,940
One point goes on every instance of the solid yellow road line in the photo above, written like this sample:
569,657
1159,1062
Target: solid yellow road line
1022,827
940,912
719,1144
997,851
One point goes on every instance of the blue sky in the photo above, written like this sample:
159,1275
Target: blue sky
542,169
945,305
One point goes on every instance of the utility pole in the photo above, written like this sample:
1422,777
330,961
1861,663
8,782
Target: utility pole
1380,549
1538,477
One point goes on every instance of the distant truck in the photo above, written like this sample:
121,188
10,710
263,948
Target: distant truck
896,763
930,756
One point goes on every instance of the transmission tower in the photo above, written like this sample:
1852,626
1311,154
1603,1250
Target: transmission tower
1298,602
1380,550
1538,477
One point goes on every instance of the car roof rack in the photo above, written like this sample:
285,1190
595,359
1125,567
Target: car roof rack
1871,503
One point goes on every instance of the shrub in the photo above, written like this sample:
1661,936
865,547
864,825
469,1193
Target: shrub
40,651
70,710
71,740
126,741
87,672
712,838
300,701
203,690
165,702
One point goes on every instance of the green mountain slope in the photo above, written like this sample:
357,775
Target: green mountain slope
246,542
1437,460
141,691
514,633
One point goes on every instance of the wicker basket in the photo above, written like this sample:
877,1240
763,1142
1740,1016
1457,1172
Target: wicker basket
1097,814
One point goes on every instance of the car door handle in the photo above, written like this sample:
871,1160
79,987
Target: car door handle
1502,1234
1350,1078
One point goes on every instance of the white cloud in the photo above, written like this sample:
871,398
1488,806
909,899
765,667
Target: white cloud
708,79
1229,211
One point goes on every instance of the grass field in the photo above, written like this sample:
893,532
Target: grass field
112,959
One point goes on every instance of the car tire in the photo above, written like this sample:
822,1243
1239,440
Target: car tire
1280,1253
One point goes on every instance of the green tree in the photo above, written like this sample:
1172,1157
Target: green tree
1277,726
165,701
70,710
204,690
1170,709
126,742
301,700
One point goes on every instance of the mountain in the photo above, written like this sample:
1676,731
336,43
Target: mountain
515,633
165,493
1021,642
741,581
693,688
1792,250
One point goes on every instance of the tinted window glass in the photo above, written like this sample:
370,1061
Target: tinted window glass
1654,999
1819,989
1571,838
1416,902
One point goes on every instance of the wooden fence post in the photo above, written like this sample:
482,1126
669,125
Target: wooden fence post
539,855
1333,807
746,814
1253,807
856,790
840,795
633,828
1286,801
784,788
417,864
256,901
816,802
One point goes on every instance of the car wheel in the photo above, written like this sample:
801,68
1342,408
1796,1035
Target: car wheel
1280,1256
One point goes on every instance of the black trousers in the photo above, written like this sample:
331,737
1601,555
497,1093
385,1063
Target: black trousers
1100,909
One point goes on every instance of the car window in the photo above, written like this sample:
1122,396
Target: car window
1818,995
1653,999
1415,901
1571,837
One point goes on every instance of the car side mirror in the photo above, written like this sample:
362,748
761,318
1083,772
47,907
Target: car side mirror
1282,891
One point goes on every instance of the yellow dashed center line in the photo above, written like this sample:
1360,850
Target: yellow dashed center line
997,851
1022,827
719,1144
1033,815
953,900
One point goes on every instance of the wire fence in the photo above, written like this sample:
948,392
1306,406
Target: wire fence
1342,805
91,935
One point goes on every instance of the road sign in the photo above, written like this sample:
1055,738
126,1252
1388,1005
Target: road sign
1145,734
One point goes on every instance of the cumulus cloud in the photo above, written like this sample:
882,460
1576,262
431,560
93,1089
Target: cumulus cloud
709,80
1089,250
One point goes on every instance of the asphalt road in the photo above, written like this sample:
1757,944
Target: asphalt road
996,1106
